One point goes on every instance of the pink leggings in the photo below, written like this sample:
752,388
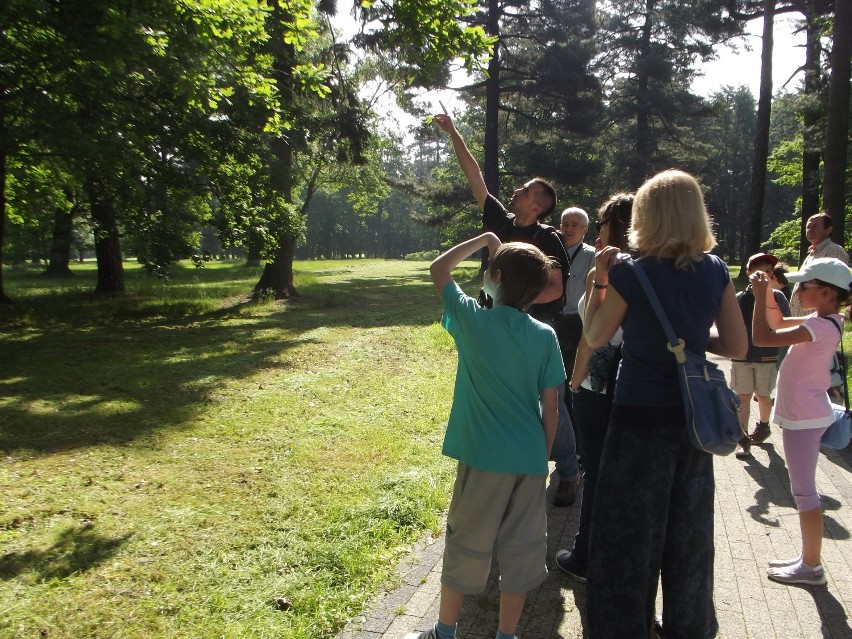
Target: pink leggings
801,448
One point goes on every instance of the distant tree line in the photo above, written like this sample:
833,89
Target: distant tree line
167,129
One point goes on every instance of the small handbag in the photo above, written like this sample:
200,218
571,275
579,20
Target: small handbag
838,435
711,408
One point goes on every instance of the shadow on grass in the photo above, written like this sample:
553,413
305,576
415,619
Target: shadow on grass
77,371
77,550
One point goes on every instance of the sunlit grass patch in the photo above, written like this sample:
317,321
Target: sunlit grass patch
178,461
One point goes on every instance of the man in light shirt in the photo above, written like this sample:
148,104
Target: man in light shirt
574,224
818,232
581,256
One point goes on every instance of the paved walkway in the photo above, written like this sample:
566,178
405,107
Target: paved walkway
755,521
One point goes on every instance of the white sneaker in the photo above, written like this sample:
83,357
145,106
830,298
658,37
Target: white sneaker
798,573
783,563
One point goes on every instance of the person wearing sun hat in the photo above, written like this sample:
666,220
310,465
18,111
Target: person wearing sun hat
828,270
755,374
802,407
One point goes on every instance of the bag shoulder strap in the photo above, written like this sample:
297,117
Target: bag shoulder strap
675,344
841,362
837,326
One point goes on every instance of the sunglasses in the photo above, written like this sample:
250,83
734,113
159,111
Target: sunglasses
600,225
811,284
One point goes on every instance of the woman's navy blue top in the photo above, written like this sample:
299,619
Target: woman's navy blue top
647,375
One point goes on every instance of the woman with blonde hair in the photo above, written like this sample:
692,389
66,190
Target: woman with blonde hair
653,512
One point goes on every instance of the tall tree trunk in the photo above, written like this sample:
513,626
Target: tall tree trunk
761,140
491,163
60,249
380,231
3,297
810,120
276,280
641,157
107,245
837,128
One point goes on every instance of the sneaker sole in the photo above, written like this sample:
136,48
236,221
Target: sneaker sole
797,580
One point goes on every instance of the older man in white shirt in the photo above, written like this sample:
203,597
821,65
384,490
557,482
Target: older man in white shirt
574,224
818,232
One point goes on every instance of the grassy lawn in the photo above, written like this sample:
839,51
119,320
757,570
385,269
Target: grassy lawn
177,460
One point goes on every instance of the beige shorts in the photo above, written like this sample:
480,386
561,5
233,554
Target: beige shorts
496,511
757,378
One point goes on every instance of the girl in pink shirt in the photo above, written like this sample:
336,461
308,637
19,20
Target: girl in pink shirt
802,408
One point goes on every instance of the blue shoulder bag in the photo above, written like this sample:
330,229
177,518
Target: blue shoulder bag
712,409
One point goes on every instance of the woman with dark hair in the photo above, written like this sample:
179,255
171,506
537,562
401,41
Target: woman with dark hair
653,515
592,384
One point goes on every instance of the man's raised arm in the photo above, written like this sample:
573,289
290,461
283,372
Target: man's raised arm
468,164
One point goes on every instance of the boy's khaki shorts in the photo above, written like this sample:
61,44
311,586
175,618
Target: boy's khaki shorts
757,378
495,511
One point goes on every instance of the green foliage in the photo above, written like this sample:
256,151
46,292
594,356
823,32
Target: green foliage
425,35
551,102
786,161
648,53
35,190
422,255
784,241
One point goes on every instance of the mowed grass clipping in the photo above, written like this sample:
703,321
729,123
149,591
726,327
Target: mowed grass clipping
180,463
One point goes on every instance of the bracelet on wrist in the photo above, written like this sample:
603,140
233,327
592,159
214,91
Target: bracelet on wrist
599,285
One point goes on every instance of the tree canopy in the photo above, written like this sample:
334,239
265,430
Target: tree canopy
138,130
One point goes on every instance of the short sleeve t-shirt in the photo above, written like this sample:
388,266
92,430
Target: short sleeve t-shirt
647,374
499,221
759,354
505,359
804,377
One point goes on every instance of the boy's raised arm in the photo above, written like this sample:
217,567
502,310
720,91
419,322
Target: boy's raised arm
442,268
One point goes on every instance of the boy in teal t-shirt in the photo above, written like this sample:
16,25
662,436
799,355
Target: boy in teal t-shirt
501,429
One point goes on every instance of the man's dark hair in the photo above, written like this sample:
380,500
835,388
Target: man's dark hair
546,198
827,222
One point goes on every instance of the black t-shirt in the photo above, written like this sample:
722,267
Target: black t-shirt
759,354
498,220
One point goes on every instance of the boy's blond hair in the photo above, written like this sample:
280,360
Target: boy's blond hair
670,219
524,273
